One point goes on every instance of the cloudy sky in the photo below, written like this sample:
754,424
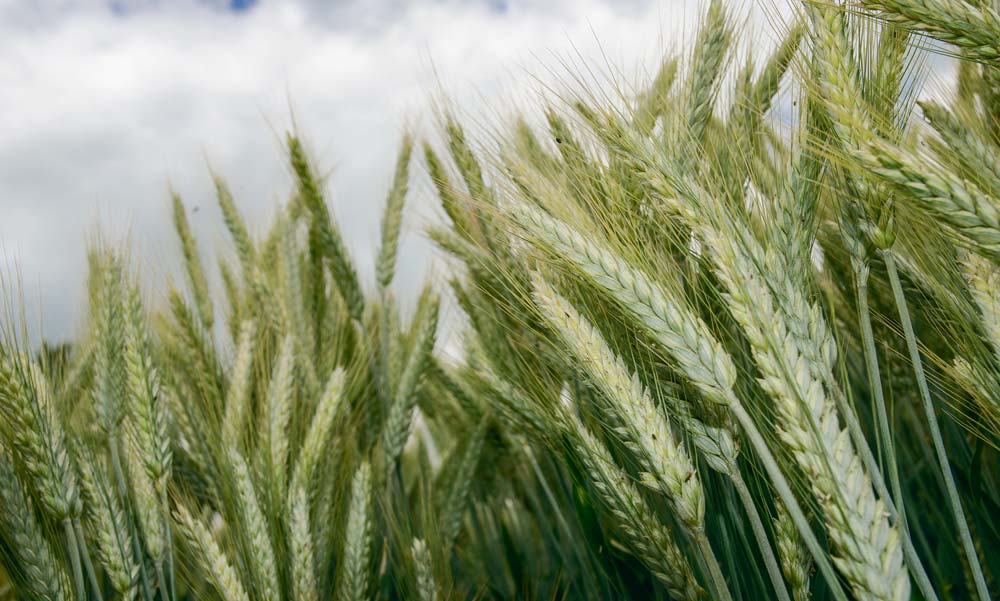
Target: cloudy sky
107,104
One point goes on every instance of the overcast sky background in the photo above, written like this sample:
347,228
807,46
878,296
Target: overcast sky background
106,103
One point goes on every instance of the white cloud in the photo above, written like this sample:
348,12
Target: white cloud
99,111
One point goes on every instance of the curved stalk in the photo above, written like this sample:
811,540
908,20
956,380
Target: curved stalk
788,498
759,533
935,431
882,417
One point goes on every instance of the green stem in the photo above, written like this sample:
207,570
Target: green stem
74,559
122,488
942,456
88,566
788,498
714,569
172,584
759,533
882,417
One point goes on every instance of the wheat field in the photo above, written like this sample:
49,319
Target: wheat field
732,335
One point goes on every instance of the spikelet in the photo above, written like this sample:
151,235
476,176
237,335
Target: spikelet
237,228
279,412
680,332
240,386
345,276
303,560
147,405
210,557
37,569
392,217
454,502
397,425
195,272
653,542
354,569
315,442
795,562
145,499
426,588
110,527
253,521
668,465
37,437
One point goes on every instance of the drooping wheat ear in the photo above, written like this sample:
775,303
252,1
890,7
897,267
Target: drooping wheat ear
426,587
353,581
397,425
675,326
210,557
972,214
279,412
146,499
245,249
147,407
967,146
240,386
809,427
653,542
37,572
192,263
254,523
453,503
109,524
983,277
795,562
644,429
111,377
316,438
331,243
973,26
37,438
303,558
392,217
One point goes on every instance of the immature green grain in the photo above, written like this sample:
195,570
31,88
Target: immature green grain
426,587
245,249
354,569
146,501
192,263
37,437
37,568
653,101
669,467
652,540
453,504
795,561
983,277
111,530
147,405
965,146
345,276
111,377
210,557
714,38
301,544
240,387
317,437
397,425
254,524
973,26
392,217
280,396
